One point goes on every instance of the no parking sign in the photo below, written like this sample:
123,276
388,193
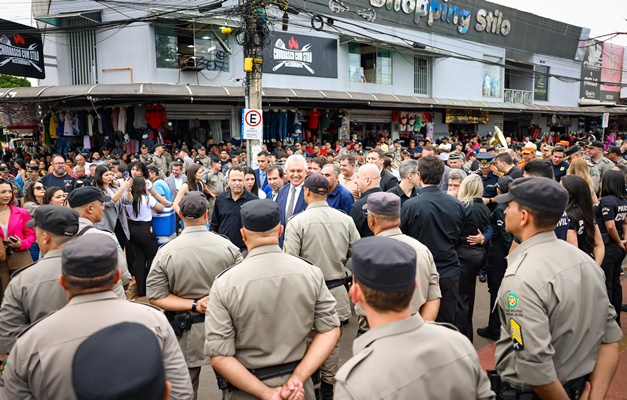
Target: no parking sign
252,124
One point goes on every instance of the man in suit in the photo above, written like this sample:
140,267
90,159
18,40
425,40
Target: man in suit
261,173
176,178
291,197
376,157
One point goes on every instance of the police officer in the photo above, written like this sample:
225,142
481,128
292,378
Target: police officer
40,365
144,156
442,362
572,153
88,202
203,157
613,154
160,160
32,175
97,372
323,236
552,304
257,324
489,179
560,167
600,164
215,184
180,278
384,220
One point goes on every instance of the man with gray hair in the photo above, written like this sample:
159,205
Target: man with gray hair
455,178
339,197
409,185
290,198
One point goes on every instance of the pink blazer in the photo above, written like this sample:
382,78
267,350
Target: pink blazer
17,227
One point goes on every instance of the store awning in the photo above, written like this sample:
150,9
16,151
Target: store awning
164,92
57,19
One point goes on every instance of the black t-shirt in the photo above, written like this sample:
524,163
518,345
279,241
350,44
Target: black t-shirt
576,224
611,208
561,229
66,182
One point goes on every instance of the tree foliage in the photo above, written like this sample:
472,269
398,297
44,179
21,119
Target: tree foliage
9,81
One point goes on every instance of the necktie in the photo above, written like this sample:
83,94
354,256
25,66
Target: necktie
290,206
262,178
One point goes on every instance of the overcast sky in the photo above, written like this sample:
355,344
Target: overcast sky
601,16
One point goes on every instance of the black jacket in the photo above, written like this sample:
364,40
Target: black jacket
359,214
388,181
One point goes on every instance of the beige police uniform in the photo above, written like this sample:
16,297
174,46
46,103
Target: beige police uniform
323,236
206,161
428,285
40,365
186,267
554,313
262,310
146,159
161,162
33,292
84,222
598,168
215,183
411,359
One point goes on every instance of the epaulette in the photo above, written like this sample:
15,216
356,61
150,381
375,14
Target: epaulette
347,368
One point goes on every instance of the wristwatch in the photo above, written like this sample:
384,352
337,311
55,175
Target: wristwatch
194,304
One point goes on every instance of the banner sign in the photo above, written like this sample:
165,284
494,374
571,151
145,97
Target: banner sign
291,54
590,88
21,51
611,72
466,117
541,83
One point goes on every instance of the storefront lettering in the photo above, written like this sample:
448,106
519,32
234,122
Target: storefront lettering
489,22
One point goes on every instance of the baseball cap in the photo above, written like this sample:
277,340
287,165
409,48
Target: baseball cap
260,215
317,183
89,256
85,195
383,203
193,205
539,193
55,219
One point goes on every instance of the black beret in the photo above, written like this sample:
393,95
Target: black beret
55,219
317,183
383,264
85,195
97,372
260,215
193,205
542,194
89,256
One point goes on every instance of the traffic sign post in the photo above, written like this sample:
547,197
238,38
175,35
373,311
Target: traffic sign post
252,124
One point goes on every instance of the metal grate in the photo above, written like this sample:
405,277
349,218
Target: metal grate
422,75
82,49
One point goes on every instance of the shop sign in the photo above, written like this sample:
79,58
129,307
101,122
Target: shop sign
291,54
611,72
466,117
558,121
21,51
475,20
590,89
541,83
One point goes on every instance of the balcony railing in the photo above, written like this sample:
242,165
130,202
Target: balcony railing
517,96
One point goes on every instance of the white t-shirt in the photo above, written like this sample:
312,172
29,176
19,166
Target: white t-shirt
146,205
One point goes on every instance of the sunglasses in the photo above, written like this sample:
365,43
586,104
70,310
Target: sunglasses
39,187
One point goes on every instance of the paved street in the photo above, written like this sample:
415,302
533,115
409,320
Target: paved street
485,347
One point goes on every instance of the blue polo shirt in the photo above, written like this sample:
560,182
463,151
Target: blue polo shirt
340,199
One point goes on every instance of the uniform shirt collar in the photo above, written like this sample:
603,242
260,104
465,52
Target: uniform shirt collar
393,328
318,204
53,253
86,298
269,248
390,232
192,229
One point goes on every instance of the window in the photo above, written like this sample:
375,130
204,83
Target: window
200,45
369,64
422,75
83,55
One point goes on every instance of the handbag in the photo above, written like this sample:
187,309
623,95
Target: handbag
18,260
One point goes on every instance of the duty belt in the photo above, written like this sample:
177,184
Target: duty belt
335,283
504,391
262,374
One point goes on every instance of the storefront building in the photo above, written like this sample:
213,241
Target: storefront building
344,69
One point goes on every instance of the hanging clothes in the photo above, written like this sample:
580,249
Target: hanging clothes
155,116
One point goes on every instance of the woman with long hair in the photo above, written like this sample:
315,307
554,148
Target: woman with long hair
33,198
20,171
194,183
15,235
471,257
54,195
43,168
114,217
579,167
137,168
126,160
611,216
143,242
250,183
582,228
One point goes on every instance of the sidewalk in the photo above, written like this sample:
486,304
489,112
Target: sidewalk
618,389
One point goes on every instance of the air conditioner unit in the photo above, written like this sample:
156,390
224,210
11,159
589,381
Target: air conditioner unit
192,64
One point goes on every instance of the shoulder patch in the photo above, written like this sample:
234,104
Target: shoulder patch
347,368
19,271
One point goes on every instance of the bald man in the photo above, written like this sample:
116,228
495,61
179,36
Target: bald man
368,182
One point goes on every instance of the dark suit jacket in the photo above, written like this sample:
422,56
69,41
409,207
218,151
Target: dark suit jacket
264,184
281,200
359,215
172,185
388,181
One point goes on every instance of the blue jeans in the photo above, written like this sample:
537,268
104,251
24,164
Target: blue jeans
62,145
282,125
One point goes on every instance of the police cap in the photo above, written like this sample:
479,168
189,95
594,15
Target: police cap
383,264
455,156
572,150
485,159
193,205
88,256
260,215
503,183
614,150
85,195
33,168
97,372
54,219
383,203
595,143
318,184
542,194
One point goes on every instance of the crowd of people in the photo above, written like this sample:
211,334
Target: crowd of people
401,230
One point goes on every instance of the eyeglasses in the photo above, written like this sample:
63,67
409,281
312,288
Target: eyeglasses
39,187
